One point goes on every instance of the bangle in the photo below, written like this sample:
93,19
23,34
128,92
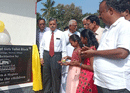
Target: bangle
80,64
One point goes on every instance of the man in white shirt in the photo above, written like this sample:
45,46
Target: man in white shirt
52,49
67,34
93,23
40,31
112,58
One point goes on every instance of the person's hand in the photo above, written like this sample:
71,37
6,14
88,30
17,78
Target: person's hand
63,63
87,52
64,58
74,63
85,48
42,61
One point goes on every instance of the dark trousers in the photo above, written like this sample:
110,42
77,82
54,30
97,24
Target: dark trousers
105,90
51,73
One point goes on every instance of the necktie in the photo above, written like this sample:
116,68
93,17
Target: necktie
51,52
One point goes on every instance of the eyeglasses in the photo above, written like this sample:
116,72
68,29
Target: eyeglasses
41,24
74,25
88,24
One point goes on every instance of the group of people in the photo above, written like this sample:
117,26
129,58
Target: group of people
95,60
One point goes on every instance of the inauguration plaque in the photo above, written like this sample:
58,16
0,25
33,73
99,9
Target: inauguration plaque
15,64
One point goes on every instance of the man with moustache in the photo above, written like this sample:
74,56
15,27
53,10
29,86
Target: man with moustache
72,30
52,49
41,30
39,33
112,58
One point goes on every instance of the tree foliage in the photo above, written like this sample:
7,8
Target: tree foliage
64,13
39,16
48,9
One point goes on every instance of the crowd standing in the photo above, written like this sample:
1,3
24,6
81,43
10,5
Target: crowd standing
96,60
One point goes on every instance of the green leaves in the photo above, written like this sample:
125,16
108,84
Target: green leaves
48,9
64,13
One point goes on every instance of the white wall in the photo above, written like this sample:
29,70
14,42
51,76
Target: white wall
20,20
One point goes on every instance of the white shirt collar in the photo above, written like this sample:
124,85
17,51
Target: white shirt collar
114,24
98,30
117,21
71,32
53,31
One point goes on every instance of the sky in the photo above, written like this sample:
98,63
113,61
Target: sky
87,6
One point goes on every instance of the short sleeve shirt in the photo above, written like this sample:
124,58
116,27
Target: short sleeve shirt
114,73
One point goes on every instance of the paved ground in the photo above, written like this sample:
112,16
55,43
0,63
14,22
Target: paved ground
19,90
